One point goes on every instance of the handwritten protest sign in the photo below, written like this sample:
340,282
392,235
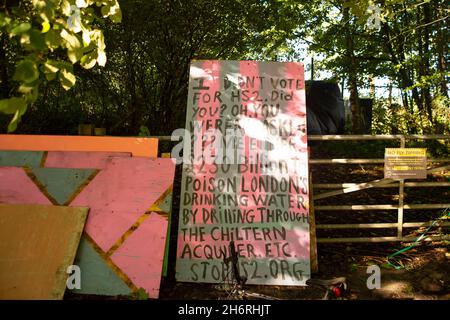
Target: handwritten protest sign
245,174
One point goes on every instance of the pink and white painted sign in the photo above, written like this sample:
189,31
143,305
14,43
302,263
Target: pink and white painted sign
245,174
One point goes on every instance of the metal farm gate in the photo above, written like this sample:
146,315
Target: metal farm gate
345,188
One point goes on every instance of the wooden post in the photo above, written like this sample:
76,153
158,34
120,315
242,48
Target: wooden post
401,196
312,229
400,209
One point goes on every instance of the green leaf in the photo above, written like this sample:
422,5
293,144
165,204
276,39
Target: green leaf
65,7
63,65
53,39
32,95
112,11
12,126
116,17
11,105
101,60
67,79
50,76
144,131
21,28
86,38
26,88
4,21
89,60
45,27
89,15
74,55
105,10
81,3
72,40
50,67
26,71
100,40
37,40
30,91
48,12
17,116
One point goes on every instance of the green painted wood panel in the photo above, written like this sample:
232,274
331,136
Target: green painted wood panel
61,183
97,277
20,158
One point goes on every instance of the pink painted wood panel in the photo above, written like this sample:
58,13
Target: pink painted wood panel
139,147
17,188
141,255
121,193
81,160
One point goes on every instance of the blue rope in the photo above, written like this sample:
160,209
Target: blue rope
419,239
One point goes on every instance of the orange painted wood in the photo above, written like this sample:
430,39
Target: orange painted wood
37,245
138,147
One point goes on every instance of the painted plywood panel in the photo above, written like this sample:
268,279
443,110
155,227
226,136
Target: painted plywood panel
16,187
166,206
166,203
121,193
248,181
21,158
141,255
62,184
97,276
80,160
138,147
37,244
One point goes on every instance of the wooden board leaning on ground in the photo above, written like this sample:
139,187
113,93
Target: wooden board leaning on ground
37,245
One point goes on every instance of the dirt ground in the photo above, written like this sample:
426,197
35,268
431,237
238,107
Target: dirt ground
427,276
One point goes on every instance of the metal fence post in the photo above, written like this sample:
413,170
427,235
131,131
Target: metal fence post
401,196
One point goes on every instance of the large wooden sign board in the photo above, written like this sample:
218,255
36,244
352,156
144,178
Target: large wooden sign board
405,163
245,174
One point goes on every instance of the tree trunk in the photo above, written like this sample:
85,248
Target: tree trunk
424,69
405,101
134,103
390,94
372,87
403,76
4,89
441,45
392,111
357,119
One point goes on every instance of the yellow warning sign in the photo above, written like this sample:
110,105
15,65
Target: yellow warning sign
405,163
